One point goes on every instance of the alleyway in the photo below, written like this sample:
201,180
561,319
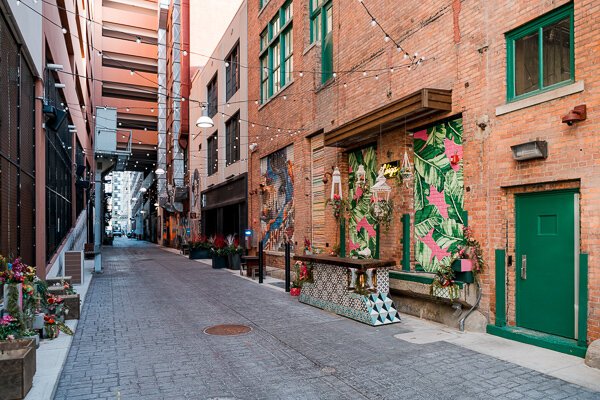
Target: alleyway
141,337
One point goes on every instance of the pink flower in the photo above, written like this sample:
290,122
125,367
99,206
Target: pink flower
10,337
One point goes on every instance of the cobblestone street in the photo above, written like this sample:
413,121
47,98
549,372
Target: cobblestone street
141,337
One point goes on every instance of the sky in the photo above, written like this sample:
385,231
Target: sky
208,21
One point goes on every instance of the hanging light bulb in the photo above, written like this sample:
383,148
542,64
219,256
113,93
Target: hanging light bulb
64,31
373,22
185,53
386,38
138,39
131,72
226,64
364,73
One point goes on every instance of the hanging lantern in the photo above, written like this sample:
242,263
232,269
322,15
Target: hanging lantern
406,170
361,175
381,190
336,180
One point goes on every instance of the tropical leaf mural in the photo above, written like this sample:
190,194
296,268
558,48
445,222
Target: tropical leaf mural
439,194
361,224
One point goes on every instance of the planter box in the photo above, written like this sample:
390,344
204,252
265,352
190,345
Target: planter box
451,292
17,368
219,262
466,277
10,286
199,254
235,260
38,321
58,280
56,290
72,303
462,265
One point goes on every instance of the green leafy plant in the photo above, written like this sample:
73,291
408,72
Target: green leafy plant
383,212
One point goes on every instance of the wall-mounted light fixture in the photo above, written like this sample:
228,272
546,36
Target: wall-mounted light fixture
579,113
530,150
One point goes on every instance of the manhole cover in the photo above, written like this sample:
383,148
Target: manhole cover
227,330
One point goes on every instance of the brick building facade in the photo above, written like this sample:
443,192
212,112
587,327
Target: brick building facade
370,97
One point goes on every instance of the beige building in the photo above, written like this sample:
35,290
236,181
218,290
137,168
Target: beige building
218,155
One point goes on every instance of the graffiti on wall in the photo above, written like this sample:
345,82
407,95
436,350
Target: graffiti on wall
439,194
361,224
277,188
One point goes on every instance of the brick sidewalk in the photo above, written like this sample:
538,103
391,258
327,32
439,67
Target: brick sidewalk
140,337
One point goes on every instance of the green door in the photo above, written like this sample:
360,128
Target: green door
545,259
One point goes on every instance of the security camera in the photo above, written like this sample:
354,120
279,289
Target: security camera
253,146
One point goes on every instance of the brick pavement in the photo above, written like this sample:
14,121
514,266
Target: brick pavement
140,337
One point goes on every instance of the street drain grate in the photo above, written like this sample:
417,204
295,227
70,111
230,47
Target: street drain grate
227,330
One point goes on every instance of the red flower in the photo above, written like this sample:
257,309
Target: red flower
336,197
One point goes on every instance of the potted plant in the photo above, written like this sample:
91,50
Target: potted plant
302,275
234,252
219,252
443,284
468,260
200,248
382,210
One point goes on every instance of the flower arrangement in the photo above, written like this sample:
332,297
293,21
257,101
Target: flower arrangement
302,274
471,249
382,211
200,242
218,246
233,245
338,205
15,272
53,325
9,327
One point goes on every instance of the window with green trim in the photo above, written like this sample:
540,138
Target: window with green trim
321,27
262,3
540,54
277,53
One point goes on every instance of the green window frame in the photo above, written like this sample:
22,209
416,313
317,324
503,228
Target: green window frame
276,53
262,4
321,27
536,58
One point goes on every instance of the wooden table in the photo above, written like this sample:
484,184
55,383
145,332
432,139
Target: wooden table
353,288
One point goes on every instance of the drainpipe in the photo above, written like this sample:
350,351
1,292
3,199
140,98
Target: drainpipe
461,323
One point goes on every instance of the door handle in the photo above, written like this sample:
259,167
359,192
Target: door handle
524,267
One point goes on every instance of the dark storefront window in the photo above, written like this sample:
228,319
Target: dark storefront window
17,151
59,177
232,139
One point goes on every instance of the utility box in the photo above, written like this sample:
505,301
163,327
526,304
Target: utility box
106,130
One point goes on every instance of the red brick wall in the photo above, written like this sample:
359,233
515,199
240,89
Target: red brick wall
465,50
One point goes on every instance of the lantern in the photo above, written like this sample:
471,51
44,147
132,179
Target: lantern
381,190
406,170
336,180
361,175
454,159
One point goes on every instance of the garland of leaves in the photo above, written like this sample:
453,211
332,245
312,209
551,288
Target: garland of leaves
383,211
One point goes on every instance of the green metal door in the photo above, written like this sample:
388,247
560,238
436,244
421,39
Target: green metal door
545,259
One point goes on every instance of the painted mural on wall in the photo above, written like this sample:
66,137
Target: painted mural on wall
277,213
361,224
439,194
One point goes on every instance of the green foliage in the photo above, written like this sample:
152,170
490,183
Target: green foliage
427,219
449,235
454,194
360,207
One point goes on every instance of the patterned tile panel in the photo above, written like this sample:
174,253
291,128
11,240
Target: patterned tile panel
329,291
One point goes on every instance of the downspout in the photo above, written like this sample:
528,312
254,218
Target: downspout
461,323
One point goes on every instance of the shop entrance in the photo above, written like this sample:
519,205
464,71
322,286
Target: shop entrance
547,247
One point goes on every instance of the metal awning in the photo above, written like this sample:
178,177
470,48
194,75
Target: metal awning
418,108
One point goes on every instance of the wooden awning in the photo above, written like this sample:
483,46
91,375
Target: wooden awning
418,108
